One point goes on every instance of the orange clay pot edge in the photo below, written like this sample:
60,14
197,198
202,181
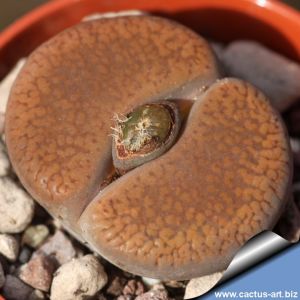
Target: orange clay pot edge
275,13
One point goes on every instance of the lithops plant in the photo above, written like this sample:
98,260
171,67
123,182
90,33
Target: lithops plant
121,128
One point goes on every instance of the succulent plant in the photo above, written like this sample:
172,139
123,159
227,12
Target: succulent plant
185,212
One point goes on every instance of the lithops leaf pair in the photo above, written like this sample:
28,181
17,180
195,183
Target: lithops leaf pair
123,130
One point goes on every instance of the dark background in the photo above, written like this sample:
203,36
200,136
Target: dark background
10,10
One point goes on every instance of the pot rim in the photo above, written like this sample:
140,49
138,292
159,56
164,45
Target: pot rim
41,12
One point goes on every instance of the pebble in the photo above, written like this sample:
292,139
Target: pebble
24,255
78,279
174,284
217,47
7,82
35,235
9,246
38,272
295,146
133,288
116,286
15,289
4,161
288,225
277,76
2,276
16,207
150,282
37,295
157,293
124,297
60,247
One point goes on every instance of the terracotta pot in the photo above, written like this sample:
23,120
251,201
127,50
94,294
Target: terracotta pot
268,21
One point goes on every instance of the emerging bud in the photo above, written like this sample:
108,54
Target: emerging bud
144,134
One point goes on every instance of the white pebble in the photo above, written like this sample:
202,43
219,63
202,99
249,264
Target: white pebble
9,246
7,82
150,282
4,161
198,286
78,279
16,207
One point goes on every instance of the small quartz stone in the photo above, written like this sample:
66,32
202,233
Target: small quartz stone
150,282
175,284
116,286
15,289
78,279
133,288
7,82
157,293
4,162
16,207
60,247
9,246
198,286
37,295
124,297
2,276
34,236
38,272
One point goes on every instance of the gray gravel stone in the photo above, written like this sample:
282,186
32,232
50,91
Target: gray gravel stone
24,255
15,289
